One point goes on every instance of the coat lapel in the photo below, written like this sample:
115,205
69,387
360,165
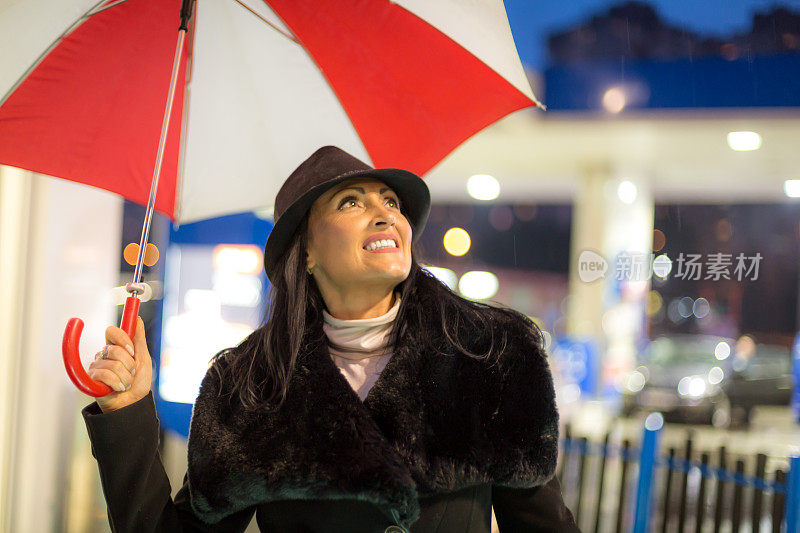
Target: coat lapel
433,422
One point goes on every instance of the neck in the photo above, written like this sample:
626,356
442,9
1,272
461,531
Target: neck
358,305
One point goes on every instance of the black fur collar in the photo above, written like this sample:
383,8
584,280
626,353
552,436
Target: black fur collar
432,423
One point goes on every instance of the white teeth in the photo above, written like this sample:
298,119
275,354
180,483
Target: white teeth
386,243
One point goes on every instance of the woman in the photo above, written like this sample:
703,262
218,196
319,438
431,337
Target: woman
372,398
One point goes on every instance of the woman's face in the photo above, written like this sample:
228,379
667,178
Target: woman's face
342,221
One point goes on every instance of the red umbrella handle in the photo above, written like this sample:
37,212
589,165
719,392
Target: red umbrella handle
72,357
72,334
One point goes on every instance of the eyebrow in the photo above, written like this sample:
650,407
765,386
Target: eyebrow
359,189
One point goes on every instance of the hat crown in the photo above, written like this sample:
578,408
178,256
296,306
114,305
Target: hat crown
327,163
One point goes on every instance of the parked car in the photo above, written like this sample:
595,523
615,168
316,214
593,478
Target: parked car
763,378
708,379
682,377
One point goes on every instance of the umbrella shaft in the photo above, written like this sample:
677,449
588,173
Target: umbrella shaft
137,275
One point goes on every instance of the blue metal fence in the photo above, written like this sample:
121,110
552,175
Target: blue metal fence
785,487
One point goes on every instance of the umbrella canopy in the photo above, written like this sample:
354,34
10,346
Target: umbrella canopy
262,84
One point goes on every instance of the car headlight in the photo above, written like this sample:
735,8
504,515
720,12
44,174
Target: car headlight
693,386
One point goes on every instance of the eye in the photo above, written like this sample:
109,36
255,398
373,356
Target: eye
352,198
346,199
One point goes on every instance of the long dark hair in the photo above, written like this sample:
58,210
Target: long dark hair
257,372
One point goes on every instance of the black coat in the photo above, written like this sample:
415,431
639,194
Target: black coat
438,441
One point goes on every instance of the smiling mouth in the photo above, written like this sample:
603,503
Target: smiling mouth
381,245
382,249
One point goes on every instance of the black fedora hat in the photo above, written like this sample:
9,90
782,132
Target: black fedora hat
325,168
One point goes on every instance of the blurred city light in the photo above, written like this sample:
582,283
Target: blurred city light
792,188
240,290
673,313
235,258
659,240
524,212
654,303
569,393
685,306
182,369
501,218
635,381
614,100
701,308
483,187
662,266
478,284
694,386
456,241
626,191
744,140
266,213
445,275
715,375
131,254
654,421
722,350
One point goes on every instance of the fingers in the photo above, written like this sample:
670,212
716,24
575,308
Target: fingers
111,372
139,339
115,335
115,353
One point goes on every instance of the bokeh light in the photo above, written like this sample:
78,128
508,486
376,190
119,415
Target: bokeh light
724,230
524,213
662,266
478,284
626,191
131,254
654,303
237,258
614,100
659,240
715,375
456,241
701,308
445,275
742,141
686,306
483,187
501,218
792,188
722,350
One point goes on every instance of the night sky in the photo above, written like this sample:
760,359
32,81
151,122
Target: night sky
532,20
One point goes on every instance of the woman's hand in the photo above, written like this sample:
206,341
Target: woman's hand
128,371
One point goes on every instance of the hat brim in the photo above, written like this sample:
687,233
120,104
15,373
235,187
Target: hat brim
415,201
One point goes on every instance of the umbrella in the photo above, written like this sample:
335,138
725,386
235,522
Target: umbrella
201,110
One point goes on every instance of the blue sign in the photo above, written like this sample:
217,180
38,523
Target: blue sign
213,283
796,372
577,360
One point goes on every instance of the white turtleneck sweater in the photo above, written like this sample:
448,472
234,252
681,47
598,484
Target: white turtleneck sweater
360,347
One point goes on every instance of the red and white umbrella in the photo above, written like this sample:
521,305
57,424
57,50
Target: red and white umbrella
258,85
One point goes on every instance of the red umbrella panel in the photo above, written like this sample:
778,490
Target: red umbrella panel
251,88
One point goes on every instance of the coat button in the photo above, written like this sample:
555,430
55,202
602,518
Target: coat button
394,529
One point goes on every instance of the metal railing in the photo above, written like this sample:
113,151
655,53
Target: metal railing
679,489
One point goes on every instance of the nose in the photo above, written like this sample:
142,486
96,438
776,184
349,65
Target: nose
387,219
384,215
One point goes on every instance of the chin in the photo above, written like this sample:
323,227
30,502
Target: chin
397,274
